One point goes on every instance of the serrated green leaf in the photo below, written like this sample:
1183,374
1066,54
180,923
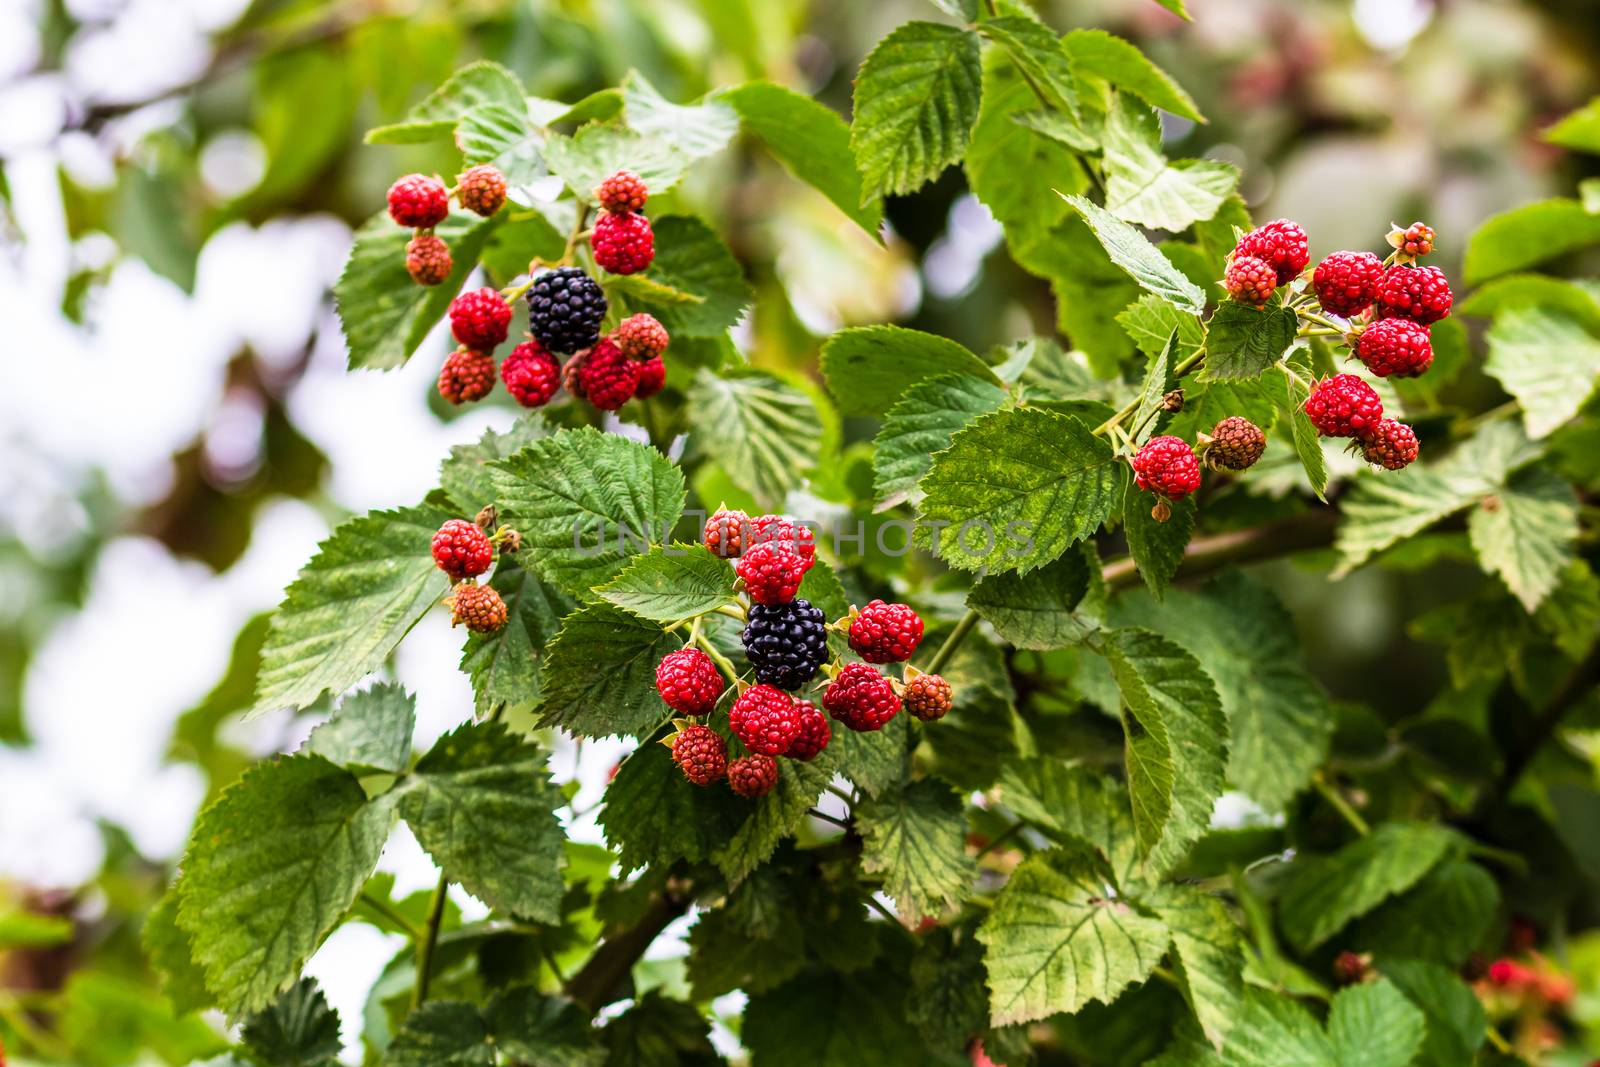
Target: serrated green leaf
1525,534
916,99
672,584
1111,58
369,731
1271,1031
1177,8
1157,547
947,1000
1455,1017
1038,611
300,1030
359,596
582,499
1143,188
868,367
599,150
1040,55
876,760
504,665
696,130
1528,235
1373,1025
692,259
762,824
811,141
915,839
481,804
1142,261
474,86
1056,940
1016,488
657,1032
465,475
1177,742
504,138
1158,381
653,817
1243,341
1326,892
166,945
530,1027
273,865
1074,805
865,1022
1547,360
385,315
920,424
1578,130
442,1034
1150,321
723,956
758,428
1307,442
599,674
1444,917
1209,954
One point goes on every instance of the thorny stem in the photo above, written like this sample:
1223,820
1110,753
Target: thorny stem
429,942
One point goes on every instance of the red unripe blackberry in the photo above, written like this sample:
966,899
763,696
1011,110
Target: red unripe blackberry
461,549
771,571
885,633
1510,974
1250,280
623,244
725,533
861,698
1414,241
1167,467
1236,444
652,376
531,374
1421,294
929,697
1395,346
467,375
427,259
1392,446
480,319
753,776
814,735
640,336
765,719
481,189
608,378
1346,283
622,192
477,607
688,680
1282,243
1350,967
418,200
1344,406
700,753
779,530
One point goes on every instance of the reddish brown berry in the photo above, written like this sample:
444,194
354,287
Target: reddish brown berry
1350,967
418,200
885,633
1396,347
1392,447
861,698
700,753
608,378
640,336
477,607
624,191
427,259
929,697
1236,444
1250,280
771,571
753,776
531,374
688,680
815,733
467,375
481,189
652,376
461,549
1346,283
480,319
623,244
1344,406
1282,243
1167,467
764,717
726,532
1421,294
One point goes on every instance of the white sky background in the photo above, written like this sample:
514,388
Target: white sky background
140,380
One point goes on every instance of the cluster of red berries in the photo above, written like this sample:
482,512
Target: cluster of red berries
464,550
422,202
1532,982
621,240
773,554
1170,468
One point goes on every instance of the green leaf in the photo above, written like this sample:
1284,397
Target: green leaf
1158,381
369,731
1271,1031
1307,442
476,85
1056,941
653,817
483,807
1177,8
692,259
1177,742
657,1032
1039,54
696,130
1578,130
1038,611
359,596
1210,959
1279,721
868,367
764,823
1142,261
1243,341
1074,805
465,476
300,1030
916,99
599,674
1156,547
1143,188
724,955
760,429
1150,321
1326,892
530,1027
385,315
504,665
1105,56
582,499
811,141
442,1034
920,424
1547,360
672,584
1526,235
874,761
915,839
599,150
166,945
1525,534
1523,290
1373,1025
504,138
1444,917
273,865
1016,488
1455,1017
824,1019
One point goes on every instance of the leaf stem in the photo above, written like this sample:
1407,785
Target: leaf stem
1001,838
1321,320
1184,367
825,817
390,912
1320,782
722,662
732,611
429,942
941,659
577,232
841,794
876,905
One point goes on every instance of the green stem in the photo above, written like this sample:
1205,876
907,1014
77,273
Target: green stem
825,817
429,942
718,658
1321,320
894,921
48,1044
731,611
1005,835
577,232
942,658
841,794
652,427
1340,804
1184,367
388,911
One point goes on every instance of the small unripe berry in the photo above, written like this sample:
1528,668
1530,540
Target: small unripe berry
481,189
467,375
640,336
1236,444
700,753
624,191
1250,280
1282,243
764,717
418,200
477,607
753,776
1413,242
726,532
427,259
929,697
1392,446
461,549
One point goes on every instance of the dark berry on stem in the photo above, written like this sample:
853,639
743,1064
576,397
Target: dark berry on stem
785,643
565,310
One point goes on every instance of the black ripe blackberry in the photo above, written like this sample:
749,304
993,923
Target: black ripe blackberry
565,309
785,643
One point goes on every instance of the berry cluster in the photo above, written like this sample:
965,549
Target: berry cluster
420,202
621,240
785,640
464,550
